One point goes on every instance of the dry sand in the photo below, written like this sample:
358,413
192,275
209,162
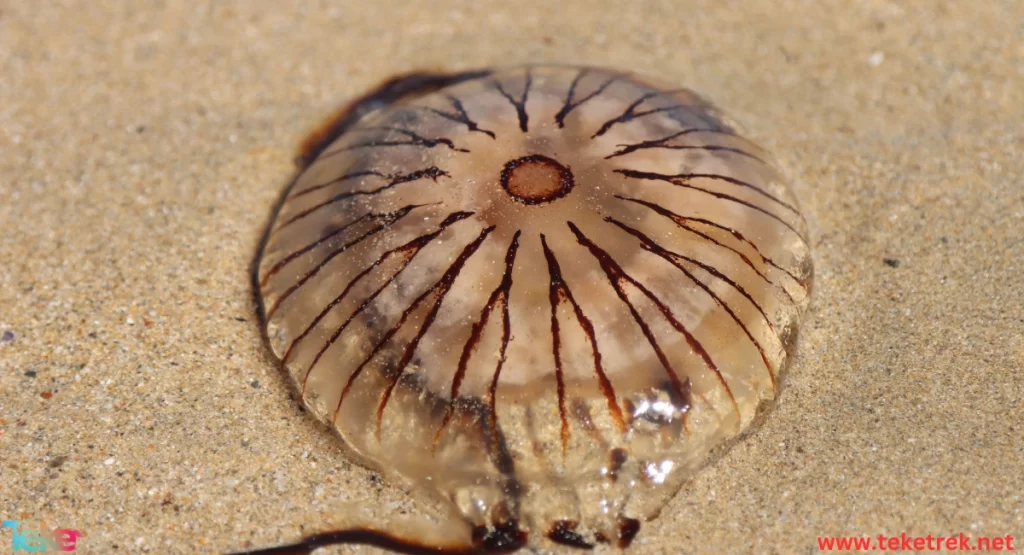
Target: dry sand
143,143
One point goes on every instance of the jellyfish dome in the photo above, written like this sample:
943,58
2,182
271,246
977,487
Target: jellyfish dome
545,294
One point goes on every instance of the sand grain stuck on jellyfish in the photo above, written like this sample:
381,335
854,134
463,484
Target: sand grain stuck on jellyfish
544,294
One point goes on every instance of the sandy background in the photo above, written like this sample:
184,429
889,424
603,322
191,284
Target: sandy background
143,143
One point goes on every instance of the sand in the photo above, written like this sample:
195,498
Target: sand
142,145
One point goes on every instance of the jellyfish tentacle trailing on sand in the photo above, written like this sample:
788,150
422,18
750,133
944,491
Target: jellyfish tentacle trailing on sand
546,295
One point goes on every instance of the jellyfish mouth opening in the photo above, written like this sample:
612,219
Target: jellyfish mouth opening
536,179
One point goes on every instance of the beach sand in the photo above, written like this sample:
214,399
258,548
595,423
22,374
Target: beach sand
143,144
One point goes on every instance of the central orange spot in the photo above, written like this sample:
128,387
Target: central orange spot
536,179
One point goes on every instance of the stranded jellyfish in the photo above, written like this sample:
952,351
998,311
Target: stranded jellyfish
545,295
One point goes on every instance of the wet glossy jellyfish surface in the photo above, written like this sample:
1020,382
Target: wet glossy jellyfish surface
544,294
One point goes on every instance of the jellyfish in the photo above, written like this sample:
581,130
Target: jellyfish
545,295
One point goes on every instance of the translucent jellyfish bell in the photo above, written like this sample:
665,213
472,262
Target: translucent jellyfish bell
544,294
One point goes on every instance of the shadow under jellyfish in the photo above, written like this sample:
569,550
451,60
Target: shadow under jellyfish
545,294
